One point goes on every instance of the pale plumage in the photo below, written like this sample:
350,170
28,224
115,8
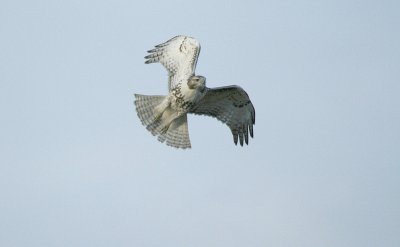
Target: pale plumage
166,116
179,56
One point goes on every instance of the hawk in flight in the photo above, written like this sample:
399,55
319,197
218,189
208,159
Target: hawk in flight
166,116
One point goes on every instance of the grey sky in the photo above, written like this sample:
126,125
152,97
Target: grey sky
78,169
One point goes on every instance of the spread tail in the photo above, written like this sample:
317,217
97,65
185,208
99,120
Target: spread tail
176,135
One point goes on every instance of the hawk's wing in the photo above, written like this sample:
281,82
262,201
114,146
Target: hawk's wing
230,105
179,56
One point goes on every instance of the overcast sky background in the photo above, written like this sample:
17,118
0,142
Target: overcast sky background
78,169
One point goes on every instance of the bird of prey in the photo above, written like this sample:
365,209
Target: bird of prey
166,116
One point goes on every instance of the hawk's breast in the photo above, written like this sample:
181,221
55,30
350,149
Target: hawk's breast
183,98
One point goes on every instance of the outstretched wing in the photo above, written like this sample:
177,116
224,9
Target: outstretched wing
178,55
230,105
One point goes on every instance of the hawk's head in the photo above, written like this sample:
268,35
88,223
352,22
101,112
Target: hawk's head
197,82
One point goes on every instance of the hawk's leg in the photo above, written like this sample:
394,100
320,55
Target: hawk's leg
160,109
167,122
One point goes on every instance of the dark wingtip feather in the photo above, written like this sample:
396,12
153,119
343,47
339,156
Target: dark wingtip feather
251,130
163,44
254,116
241,138
246,133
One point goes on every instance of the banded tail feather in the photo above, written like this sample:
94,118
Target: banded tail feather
176,135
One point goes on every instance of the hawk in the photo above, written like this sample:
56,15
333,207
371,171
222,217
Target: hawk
166,116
